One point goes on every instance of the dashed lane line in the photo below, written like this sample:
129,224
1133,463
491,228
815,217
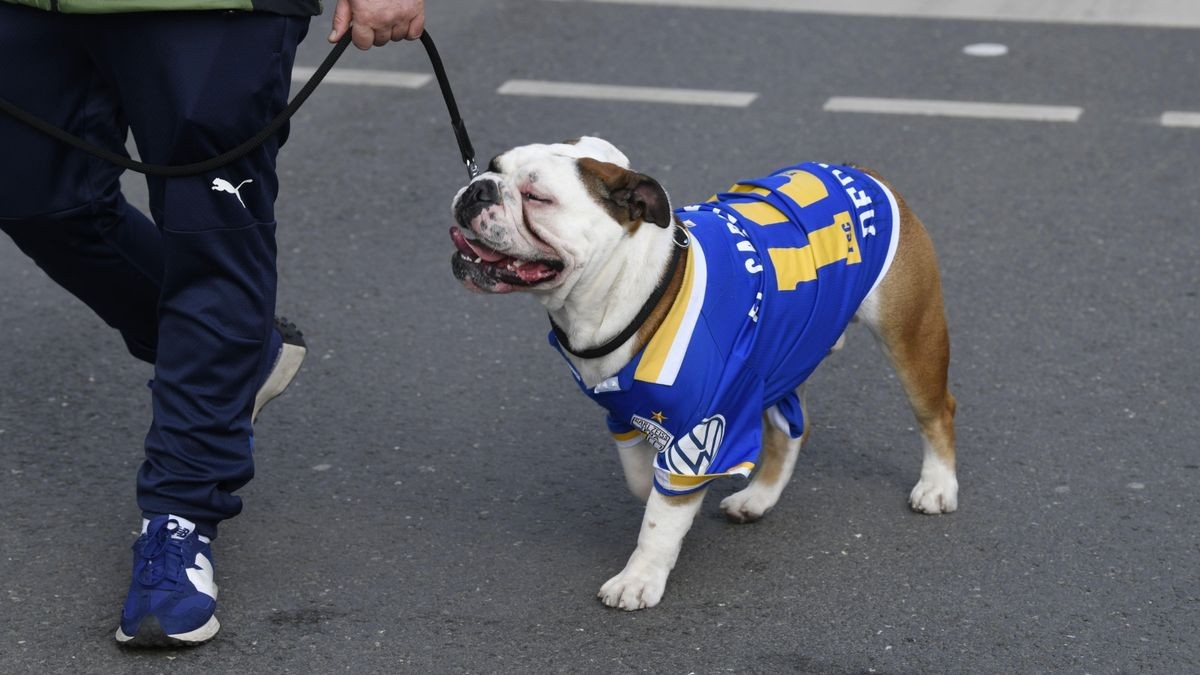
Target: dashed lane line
608,92
998,111
370,78
1176,118
738,99
1157,13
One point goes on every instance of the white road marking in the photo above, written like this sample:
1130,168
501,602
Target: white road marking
608,92
370,78
986,49
999,111
1160,13
1176,118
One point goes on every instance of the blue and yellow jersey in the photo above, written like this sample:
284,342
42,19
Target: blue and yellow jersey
777,267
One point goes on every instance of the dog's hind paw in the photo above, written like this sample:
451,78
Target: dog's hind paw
935,493
748,505
634,589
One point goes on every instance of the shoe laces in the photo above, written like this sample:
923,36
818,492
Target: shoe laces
161,554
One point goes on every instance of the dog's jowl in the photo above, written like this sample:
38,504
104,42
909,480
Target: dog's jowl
695,328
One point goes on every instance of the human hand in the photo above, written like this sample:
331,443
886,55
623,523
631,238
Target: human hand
377,22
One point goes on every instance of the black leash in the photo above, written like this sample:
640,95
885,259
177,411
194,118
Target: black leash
456,121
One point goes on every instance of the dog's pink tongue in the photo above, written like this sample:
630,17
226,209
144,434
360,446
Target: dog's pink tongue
473,247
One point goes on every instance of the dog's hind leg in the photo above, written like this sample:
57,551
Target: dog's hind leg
777,461
905,312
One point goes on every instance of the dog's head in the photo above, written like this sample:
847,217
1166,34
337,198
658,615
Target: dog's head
542,214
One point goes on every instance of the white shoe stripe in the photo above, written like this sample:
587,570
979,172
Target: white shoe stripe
202,578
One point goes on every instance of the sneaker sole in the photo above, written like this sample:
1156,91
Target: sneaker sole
189,639
282,374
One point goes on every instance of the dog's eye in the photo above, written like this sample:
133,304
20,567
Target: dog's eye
530,197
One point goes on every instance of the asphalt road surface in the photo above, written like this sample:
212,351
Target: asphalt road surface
434,495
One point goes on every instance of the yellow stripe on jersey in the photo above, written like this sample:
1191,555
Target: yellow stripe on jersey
742,188
654,356
739,188
678,480
761,213
627,436
804,188
742,469
794,266
801,187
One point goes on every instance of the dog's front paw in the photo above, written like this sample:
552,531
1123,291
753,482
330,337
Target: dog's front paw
636,587
936,492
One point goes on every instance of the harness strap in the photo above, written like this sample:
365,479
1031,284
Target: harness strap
647,309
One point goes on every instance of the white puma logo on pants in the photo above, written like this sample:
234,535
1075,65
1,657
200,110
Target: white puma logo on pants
222,185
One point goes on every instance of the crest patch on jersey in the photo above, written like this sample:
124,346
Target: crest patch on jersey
656,436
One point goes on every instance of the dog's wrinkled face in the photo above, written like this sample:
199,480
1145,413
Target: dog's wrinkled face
541,213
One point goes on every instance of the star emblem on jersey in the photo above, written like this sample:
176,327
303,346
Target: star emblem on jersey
658,416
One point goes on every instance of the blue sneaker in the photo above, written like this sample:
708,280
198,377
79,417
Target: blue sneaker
172,586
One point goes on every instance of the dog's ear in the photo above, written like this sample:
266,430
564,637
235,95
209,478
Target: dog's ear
598,148
629,196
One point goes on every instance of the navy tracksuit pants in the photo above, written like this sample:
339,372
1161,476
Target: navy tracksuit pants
192,292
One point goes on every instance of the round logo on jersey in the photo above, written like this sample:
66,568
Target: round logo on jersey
692,454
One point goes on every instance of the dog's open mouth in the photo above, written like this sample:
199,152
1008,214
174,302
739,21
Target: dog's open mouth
485,266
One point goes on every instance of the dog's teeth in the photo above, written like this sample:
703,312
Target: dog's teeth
477,260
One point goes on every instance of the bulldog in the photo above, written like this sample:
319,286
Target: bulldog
696,327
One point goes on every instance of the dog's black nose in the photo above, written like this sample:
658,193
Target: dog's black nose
478,196
482,192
